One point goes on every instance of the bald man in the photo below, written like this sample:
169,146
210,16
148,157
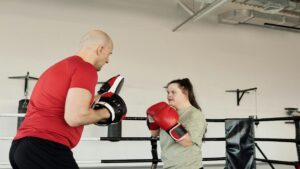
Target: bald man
59,107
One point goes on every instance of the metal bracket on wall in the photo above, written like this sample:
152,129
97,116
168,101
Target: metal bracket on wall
240,93
26,77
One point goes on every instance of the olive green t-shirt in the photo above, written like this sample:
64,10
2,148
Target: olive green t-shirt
174,155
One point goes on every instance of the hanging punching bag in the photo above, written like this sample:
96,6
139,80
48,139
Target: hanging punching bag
24,102
240,147
22,110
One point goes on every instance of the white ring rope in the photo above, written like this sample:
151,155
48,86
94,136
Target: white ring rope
82,139
23,114
12,115
78,162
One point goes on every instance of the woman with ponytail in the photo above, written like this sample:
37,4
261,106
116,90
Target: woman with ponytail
185,153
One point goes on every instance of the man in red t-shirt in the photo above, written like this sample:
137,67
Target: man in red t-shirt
59,107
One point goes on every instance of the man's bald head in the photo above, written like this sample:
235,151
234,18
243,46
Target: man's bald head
96,48
95,38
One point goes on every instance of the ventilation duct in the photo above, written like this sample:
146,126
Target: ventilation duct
279,14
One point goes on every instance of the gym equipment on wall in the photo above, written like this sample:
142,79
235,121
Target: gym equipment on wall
22,108
240,93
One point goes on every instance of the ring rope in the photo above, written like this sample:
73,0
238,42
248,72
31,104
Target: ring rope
157,139
208,120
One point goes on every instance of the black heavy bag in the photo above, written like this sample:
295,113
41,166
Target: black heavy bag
240,147
22,110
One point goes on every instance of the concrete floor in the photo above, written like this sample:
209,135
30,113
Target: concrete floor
211,166
260,166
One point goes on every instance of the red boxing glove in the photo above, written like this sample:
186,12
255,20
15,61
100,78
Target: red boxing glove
167,119
151,111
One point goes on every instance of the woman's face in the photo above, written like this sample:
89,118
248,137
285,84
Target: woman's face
175,95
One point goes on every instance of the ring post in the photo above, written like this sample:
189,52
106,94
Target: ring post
297,128
115,131
154,152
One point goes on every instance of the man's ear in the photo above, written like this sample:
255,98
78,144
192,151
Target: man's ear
100,49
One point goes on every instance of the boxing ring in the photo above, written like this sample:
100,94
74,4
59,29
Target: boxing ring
238,136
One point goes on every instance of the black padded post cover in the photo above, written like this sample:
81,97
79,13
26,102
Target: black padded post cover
297,127
115,130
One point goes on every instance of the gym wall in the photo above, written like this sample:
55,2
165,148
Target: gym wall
216,57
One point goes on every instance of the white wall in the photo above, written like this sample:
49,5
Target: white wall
216,57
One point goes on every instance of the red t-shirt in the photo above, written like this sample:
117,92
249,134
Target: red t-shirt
45,112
